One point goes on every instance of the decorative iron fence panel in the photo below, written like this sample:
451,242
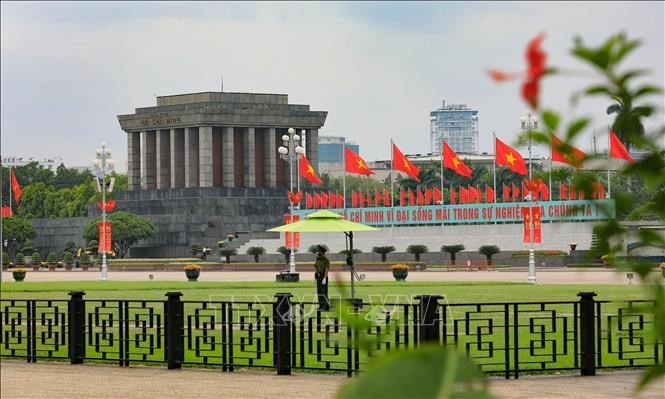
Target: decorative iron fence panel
501,338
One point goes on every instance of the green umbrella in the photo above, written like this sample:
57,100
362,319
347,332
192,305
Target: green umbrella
328,222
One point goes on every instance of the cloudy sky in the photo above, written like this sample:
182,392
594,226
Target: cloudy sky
68,69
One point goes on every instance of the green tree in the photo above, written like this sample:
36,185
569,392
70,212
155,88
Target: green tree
126,230
488,251
314,248
416,250
36,258
286,252
15,230
227,253
452,250
383,251
628,120
256,252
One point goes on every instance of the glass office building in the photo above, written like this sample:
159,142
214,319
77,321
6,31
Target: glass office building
458,125
331,157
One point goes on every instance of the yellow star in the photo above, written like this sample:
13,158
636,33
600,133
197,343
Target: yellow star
510,158
361,164
406,165
310,170
456,162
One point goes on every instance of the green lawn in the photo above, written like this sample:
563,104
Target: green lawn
455,292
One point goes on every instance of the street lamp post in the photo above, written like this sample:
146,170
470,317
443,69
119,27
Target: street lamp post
290,151
530,121
103,165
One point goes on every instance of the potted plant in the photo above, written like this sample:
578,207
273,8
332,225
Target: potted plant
195,249
192,272
18,274
400,271
19,259
68,260
256,251
52,260
85,261
36,261
573,245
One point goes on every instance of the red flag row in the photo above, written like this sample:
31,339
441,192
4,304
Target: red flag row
324,200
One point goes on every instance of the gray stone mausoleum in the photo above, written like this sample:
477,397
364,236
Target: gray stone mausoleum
202,165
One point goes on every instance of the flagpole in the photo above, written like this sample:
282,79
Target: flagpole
344,172
609,179
494,171
550,188
441,167
10,191
392,171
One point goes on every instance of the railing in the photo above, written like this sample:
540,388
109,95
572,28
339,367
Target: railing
278,333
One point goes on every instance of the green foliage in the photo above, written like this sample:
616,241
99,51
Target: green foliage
28,247
68,258
452,250
36,258
19,259
346,251
430,372
93,246
488,251
5,258
256,251
383,251
70,246
314,248
227,253
285,251
52,258
126,229
85,259
16,230
195,248
416,250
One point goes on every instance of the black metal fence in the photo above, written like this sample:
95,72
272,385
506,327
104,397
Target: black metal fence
282,334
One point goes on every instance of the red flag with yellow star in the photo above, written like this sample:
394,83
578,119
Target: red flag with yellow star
307,171
451,161
355,164
507,156
404,165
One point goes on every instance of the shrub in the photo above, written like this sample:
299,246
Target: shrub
284,251
85,258
28,247
452,250
488,251
416,250
314,248
36,258
256,251
92,247
384,251
70,246
346,251
195,248
68,258
228,253
19,259
52,258
5,258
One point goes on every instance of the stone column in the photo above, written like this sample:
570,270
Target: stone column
133,161
205,156
148,165
177,158
163,152
271,157
249,157
192,157
313,148
228,156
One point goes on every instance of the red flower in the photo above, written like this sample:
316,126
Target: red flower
535,58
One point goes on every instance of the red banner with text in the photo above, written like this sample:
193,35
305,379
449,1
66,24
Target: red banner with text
526,217
296,236
104,232
537,225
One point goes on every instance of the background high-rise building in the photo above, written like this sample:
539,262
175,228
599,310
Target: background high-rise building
458,125
331,156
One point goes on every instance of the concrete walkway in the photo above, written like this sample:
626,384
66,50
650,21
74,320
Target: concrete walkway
550,276
57,380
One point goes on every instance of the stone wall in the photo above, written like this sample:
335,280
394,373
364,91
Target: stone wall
52,234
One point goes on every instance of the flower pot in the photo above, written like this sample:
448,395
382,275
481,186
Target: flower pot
192,275
400,275
85,267
18,276
35,268
51,267
68,267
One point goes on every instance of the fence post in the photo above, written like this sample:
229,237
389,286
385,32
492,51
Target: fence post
587,333
76,322
174,310
428,323
282,320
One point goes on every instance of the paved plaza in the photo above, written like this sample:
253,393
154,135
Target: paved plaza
550,276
